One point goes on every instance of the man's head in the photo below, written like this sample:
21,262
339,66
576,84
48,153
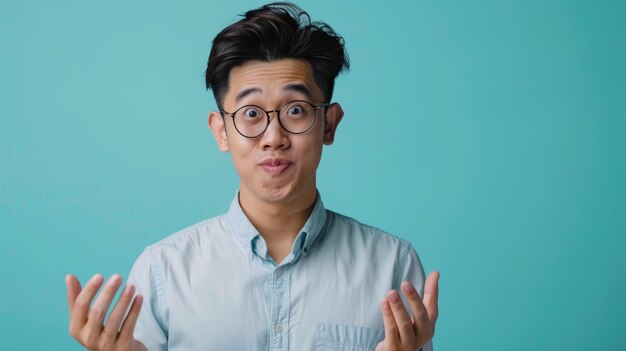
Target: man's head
276,31
272,57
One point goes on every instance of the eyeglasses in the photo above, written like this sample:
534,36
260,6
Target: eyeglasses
296,117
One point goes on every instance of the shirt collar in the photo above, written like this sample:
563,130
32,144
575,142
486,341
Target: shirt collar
245,233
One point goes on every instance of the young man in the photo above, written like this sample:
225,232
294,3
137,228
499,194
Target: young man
278,271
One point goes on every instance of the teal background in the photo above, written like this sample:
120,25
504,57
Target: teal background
488,133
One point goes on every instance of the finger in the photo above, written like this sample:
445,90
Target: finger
420,315
101,306
73,289
83,300
431,296
115,318
402,318
392,336
128,327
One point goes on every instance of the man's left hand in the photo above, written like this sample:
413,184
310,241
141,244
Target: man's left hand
403,332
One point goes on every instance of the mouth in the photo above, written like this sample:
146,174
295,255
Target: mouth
275,167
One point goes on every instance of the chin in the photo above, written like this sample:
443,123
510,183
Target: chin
279,191
277,194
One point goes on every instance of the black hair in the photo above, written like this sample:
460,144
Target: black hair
278,30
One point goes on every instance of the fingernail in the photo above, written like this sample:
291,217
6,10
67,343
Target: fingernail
128,290
394,296
114,281
95,279
408,287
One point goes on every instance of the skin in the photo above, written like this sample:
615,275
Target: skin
403,332
86,324
278,206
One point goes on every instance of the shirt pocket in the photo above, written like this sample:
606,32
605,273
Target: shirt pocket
337,337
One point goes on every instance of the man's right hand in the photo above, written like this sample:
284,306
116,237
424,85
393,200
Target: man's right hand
86,324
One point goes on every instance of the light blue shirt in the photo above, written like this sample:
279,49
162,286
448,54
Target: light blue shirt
213,286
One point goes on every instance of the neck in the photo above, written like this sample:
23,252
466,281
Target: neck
278,223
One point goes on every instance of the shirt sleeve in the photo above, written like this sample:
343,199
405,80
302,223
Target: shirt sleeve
146,275
413,271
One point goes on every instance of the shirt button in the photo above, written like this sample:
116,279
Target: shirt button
279,327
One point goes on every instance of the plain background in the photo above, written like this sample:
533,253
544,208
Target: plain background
491,134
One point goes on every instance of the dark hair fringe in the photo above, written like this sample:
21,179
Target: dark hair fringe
278,30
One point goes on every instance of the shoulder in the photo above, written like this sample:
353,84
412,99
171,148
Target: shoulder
363,244
189,240
356,232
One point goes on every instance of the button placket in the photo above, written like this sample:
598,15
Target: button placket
280,309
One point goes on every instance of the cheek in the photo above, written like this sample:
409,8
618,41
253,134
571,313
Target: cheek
315,144
311,153
241,154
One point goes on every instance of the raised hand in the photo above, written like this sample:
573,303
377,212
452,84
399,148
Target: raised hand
86,324
403,332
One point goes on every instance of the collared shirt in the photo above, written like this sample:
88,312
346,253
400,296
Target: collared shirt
213,286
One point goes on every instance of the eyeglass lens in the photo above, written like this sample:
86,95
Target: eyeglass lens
296,117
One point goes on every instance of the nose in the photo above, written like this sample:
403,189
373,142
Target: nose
274,137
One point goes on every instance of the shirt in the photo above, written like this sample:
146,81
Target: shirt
213,286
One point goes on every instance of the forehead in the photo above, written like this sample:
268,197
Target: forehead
271,80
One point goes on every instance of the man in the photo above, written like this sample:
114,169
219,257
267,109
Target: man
278,271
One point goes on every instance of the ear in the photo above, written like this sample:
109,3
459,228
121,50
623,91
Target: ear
218,127
334,113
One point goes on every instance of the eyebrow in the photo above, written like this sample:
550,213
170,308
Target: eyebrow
245,93
300,88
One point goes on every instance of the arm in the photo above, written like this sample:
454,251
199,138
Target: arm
147,275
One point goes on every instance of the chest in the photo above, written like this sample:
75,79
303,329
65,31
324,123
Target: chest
306,306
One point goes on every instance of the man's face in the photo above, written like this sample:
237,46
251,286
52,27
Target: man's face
277,166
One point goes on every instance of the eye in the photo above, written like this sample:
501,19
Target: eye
251,112
295,110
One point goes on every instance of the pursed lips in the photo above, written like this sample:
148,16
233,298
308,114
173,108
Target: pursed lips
275,166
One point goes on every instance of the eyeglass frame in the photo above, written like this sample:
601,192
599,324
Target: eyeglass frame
267,114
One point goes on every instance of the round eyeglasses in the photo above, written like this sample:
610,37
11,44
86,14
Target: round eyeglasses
296,117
